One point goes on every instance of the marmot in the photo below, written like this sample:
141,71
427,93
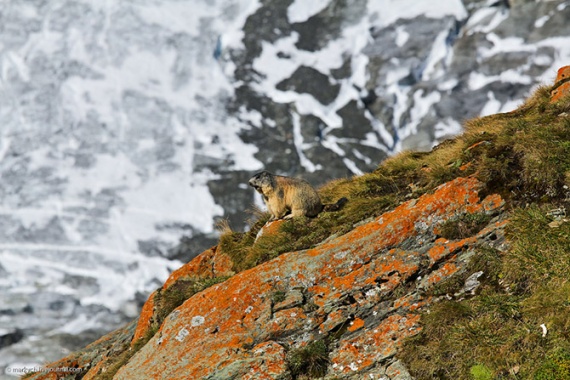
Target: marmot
288,197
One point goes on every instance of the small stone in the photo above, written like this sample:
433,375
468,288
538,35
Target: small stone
544,330
557,223
557,213
472,283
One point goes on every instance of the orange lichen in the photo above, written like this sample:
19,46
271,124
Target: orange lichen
563,73
465,166
560,91
374,344
562,84
410,302
357,324
209,264
493,202
271,362
445,271
222,265
287,320
93,372
199,267
145,318
476,145
443,248
270,228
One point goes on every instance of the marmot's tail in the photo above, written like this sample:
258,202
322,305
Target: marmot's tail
335,206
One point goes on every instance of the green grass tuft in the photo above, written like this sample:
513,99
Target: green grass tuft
309,362
481,372
522,288
278,296
179,292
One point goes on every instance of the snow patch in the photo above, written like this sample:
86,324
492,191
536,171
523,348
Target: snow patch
447,128
302,10
485,20
401,36
539,23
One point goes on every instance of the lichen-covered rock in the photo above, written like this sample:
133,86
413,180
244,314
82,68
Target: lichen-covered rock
91,358
562,84
361,293
344,288
270,228
209,264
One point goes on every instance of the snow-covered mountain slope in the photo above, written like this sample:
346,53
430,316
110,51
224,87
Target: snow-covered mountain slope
126,126
111,115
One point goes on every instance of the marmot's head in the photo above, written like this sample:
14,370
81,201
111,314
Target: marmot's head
262,181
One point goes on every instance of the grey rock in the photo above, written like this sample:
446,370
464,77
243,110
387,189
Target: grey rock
472,282
191,246
355,124
292,299
8,338
320,29
397,371
307,80
232,193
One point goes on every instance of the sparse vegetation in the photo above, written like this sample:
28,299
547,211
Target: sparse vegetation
278,296
556,366
500,328
174,296
524,156
309,362
463,226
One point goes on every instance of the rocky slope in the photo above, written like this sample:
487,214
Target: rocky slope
362,290
128,125
342,308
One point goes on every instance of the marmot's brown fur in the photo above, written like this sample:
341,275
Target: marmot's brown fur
288,197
